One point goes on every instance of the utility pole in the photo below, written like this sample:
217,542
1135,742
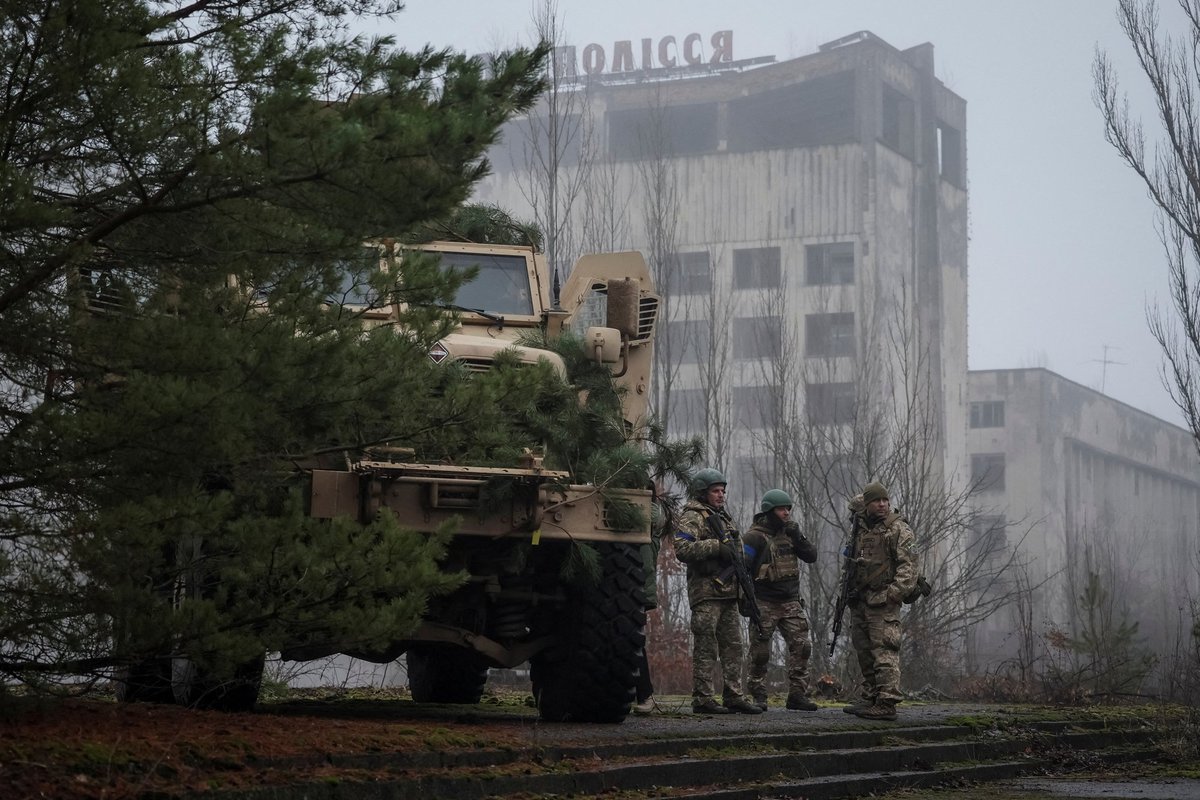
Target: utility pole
1104,362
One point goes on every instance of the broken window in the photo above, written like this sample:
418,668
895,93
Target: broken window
757,337
829,334
987,414
898,122
686,341
988,536
752,406
829,264
829,403
756,268
691,273
814,112
987,471
662,131
950,154
686,411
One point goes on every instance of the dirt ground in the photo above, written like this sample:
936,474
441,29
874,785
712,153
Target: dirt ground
96,748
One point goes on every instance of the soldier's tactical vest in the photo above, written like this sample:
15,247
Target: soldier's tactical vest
876,567
781,563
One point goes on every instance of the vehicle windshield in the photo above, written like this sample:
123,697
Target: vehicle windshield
500,287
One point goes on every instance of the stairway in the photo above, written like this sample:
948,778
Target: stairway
742,764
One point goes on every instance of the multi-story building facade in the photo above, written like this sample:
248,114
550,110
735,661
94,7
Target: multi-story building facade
1071,481
806,221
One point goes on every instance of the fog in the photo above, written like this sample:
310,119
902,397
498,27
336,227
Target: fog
1063,258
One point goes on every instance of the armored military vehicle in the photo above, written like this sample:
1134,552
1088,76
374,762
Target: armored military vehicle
582,639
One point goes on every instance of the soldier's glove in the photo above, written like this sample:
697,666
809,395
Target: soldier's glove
725,553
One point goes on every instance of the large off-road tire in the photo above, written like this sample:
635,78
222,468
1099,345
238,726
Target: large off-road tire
590,674
195,689
445,674
146,681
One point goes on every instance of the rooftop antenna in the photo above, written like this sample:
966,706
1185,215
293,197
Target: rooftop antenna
1105,361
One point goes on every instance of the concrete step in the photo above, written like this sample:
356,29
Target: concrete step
813,764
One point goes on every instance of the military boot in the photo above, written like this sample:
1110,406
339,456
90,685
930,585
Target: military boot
859,705
709,706
741,706
882,711
798,702
760,700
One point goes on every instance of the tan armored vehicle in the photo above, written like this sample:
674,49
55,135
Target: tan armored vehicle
582,642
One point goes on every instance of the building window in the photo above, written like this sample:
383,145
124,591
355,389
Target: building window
662,132
751,473
757,337
752,406
829,403
686,341
985,554
950,154
829,334
690,273
813,112
834,475
988,536
685,411
987,471
826,264
987,414
756,268
898,124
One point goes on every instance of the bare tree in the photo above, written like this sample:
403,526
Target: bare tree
831,424
716,308
1171,172
659,187
604,221
557,139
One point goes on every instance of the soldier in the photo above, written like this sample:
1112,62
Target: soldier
885,573
707,546
774,547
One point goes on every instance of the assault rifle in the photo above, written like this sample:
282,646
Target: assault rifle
849,573
747,602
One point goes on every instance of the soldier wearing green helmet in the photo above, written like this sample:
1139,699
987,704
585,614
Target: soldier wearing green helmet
707,540
885,574
774,548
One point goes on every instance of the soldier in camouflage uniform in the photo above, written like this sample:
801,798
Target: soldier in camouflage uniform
716,623
774,547
885,574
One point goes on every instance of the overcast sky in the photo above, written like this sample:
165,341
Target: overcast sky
1063,253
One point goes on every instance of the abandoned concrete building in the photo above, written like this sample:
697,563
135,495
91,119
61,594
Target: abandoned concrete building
1072,482
807,223
798,216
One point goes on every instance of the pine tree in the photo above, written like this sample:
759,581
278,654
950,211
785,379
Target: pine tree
185,194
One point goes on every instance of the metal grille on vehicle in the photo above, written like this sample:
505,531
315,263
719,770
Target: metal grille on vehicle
647,311
476,363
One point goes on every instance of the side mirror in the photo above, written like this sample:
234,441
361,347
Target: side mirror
603,344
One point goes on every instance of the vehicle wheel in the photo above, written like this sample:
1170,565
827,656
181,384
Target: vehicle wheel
147,681
445,674
195,689
590,674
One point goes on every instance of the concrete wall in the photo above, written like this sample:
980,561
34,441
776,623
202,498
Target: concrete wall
1098,485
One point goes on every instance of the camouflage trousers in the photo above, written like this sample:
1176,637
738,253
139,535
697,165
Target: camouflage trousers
716,636
787,617
875,634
